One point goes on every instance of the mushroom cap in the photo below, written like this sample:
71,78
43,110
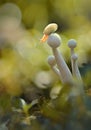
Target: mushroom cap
51,60
72,43
74,56
54,40
50,28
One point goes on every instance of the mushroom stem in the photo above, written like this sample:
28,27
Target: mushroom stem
57,72
72,51
72,62
76,72
63,68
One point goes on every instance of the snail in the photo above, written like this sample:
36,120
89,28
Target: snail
50,28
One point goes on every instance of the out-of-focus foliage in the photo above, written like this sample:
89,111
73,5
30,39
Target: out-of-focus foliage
24,72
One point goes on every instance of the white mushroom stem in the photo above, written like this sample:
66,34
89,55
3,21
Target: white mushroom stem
54,68
76,72
72,62
62,66
72,51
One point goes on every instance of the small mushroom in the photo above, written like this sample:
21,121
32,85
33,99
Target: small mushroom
72,44
52,62
76,72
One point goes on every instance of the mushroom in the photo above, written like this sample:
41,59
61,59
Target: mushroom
72,44
52,63
54,41
76,72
